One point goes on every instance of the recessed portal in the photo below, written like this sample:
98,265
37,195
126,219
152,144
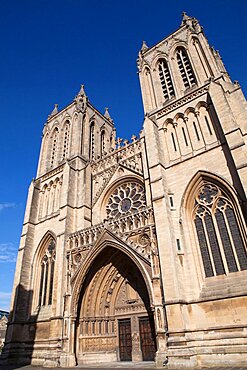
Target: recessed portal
114,320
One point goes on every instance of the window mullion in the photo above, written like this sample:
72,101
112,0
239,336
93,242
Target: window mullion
41,285
45,285
165,80
209,246
232,243
214,243
48,280
222,252
51,281
185,69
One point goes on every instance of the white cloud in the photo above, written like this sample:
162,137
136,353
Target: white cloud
5,300
7,205
7,253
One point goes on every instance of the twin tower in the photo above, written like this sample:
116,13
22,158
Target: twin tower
136,251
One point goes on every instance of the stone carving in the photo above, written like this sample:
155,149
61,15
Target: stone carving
81,101
182,101
133,228
128,156
146,57
144,239
127,198
52,173
121,153
98,344
101,180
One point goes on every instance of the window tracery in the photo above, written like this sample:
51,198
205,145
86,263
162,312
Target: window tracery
185,68
47,275
219,233
127,198
165,80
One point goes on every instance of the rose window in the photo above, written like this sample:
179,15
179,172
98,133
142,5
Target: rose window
127,198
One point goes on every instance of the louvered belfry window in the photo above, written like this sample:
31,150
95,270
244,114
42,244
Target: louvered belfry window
219,232
92,138
54,146
66,141
165,80
185,68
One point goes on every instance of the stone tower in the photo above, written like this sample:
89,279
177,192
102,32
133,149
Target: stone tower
137,251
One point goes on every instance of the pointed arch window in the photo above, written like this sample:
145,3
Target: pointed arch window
219,231
44,153
47,275
102,143
166,80
54,146
66,141
185,68
92,141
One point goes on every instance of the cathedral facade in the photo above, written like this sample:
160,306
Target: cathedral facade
136,251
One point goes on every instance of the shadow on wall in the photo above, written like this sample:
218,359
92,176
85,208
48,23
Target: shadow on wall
20,334
237,184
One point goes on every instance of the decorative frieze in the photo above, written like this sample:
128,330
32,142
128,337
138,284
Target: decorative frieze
134,229
178,103
52,173
128,156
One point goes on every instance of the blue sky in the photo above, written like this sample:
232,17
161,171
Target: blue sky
50,47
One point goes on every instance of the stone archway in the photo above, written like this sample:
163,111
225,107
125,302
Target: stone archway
114,319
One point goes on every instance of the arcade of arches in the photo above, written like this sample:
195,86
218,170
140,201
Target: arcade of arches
114,317
137,250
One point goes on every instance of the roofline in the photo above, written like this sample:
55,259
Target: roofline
157,43
71,104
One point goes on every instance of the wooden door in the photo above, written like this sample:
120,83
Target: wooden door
125,342
147,338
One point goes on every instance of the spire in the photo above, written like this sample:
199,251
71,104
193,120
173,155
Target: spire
55,111
81,100
107,115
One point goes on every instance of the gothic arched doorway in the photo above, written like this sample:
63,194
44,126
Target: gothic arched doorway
114,319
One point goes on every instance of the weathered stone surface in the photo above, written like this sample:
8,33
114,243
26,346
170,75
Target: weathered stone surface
117,232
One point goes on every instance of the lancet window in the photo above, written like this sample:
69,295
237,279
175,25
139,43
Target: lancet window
185,68
47,275
102,143
165,80
66,141
54,146
92,141
221,235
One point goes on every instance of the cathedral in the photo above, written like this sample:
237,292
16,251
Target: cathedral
136,251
